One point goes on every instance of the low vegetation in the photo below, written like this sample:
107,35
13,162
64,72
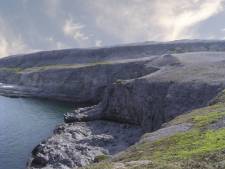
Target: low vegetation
13,70
101,158
49,67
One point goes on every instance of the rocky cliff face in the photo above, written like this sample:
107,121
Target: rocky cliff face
134,89
81,75
77,83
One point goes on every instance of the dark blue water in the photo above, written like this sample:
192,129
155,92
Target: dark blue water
23,124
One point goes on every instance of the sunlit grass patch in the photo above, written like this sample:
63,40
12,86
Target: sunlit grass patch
13,70
201,116
189,144
203,120
102,165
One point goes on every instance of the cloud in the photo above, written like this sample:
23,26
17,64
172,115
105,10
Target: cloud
11,46
188,15
52,7
98,43
223,32
56,44
74,30
139,20
10,43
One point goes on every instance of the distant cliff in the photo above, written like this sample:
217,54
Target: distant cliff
81,75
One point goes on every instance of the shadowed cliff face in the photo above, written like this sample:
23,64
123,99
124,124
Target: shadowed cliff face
149,104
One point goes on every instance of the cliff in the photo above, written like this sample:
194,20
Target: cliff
81,75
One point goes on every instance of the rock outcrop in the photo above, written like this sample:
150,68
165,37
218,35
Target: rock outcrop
79,144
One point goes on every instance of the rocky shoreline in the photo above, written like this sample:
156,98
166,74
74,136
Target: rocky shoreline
79,144
84,138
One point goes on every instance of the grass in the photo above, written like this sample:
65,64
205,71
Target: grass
219,98
104,165
101,158
13,70
119,81
189,144
49,67
206,119
202,116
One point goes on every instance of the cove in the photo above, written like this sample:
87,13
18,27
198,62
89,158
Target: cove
23,124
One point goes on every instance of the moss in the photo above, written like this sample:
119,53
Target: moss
101,158
64,66
177,50
119,81
189,144
203,120
201,116
58,66
100,63
48,67
219,98
151,165
102,165
13,70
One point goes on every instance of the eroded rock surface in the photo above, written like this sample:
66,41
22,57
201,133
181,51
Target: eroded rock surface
166,132
78,144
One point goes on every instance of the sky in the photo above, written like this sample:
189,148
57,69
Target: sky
34,25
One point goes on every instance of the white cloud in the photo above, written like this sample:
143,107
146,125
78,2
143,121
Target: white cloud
56,44
9,42
52,7
60,45
223,31
191,14
11,46
74,30
98,43
139,20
